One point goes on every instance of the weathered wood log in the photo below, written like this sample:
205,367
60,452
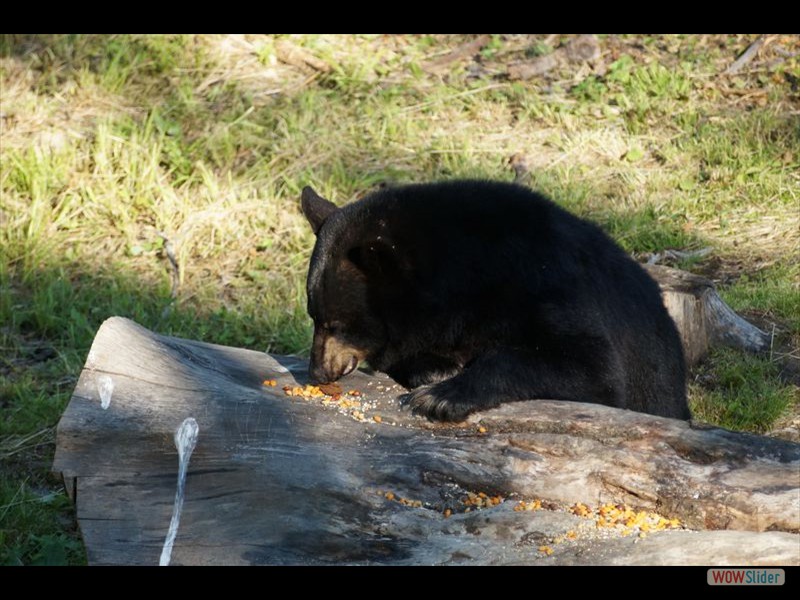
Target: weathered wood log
746,56
440,64
581,48
702,317
280,480
301,58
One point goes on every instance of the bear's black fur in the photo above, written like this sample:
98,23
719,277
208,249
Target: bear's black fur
476,293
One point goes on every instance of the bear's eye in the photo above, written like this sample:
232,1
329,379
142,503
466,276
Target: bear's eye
332,327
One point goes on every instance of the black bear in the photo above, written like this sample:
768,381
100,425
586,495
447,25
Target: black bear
476,293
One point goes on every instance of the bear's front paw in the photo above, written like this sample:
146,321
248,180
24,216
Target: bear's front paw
426,402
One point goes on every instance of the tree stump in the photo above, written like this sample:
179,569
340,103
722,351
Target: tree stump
702,317
275,479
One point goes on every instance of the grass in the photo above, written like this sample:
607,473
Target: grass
114,145
740,392
772,292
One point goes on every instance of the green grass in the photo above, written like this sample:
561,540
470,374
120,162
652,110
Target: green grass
113,143
774,292
36,537
741,392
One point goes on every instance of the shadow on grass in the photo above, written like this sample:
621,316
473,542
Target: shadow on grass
51,313
50,319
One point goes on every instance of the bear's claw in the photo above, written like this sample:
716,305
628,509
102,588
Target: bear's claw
425,402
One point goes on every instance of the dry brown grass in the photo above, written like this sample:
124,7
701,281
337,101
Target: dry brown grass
112,144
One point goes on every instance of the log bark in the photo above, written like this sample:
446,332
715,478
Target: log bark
280,480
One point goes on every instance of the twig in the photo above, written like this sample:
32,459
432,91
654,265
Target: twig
581,48
176,271
463,51
298,57
10,504
678,255
772,342
786,56
10,447
746,56
420,106
519,164
298,86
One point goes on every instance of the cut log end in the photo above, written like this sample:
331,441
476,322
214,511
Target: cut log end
702,317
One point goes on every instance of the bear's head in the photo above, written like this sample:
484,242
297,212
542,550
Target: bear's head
354,276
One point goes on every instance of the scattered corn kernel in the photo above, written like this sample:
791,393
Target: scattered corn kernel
621,516
403,501
615,517
351,404
546,550
269,382
532,505
580,509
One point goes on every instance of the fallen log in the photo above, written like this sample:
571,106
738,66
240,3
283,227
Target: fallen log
300,58
440,64
746,56
578,49
275,479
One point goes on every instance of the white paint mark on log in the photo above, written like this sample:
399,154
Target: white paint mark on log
105,387
185,441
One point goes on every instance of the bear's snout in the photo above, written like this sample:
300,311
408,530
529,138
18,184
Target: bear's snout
331,358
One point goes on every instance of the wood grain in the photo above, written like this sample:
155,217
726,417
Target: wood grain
279,480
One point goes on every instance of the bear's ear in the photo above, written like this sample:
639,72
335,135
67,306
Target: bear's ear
378,259
315,208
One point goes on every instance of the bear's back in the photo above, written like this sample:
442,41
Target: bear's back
512,263
498,234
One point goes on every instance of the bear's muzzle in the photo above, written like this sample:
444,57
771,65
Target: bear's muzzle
332,358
